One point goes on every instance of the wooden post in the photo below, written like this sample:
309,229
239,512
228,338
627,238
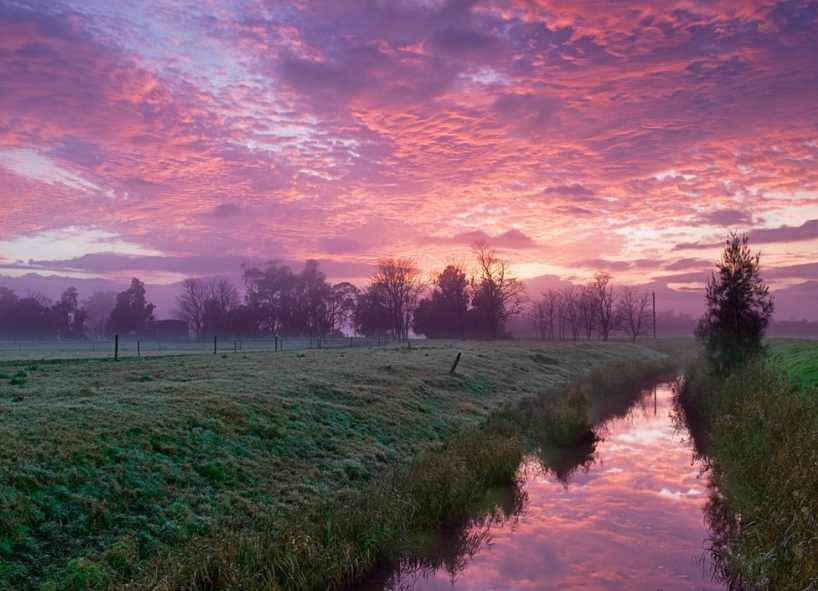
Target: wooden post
116,347
653,293
138,349
92,346
235,346
214,345
276,343
454,365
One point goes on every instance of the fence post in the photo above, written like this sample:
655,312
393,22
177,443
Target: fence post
235,346
214,345
138,349
454,365
116,347
276,343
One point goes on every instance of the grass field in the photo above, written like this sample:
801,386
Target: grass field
798,359
106,465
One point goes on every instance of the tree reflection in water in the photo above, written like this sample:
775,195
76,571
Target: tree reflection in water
723,524
451,549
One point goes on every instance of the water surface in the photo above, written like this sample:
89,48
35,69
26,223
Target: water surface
631,518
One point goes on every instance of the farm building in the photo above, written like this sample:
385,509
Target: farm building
162,330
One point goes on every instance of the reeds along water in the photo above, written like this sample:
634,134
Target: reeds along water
762,448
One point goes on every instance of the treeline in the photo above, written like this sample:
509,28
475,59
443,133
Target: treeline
36,316
477,300
281,302
596,308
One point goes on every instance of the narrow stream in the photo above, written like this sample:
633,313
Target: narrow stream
630,517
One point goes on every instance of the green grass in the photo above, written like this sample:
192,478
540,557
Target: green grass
106,467
761,436
798,359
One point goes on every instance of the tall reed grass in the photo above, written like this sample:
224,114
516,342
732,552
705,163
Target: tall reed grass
762,444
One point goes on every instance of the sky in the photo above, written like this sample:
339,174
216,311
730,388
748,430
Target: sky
172,139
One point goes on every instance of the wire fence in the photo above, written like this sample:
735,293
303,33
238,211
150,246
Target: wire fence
130,348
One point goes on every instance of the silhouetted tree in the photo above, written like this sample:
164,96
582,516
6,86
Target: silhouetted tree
270,295
570,310
338,308
497,293
443,314
98,307
33,317
223,299
739,307
371,316
600,292
8,301
131,307
191,304
453,284
400,282
546,315
313,294
633,311
69,317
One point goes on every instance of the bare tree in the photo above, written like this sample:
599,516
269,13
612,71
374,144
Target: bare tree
587,311
338,308
570,310
498,294
547,315
632,311
223,298
602,298
401,281
191,304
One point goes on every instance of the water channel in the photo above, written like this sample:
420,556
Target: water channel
628,516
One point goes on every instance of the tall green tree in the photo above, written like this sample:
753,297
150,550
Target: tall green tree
739,307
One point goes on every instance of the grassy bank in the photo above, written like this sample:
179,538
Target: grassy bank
798,359
106,466
761,434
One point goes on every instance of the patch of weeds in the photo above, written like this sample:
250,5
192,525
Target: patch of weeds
82,575
544,359
300,354
4,375
354,470
19,379
213,471
33,367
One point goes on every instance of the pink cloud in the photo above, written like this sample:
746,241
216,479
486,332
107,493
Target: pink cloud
357,130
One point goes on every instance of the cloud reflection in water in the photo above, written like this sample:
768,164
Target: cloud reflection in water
625,516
